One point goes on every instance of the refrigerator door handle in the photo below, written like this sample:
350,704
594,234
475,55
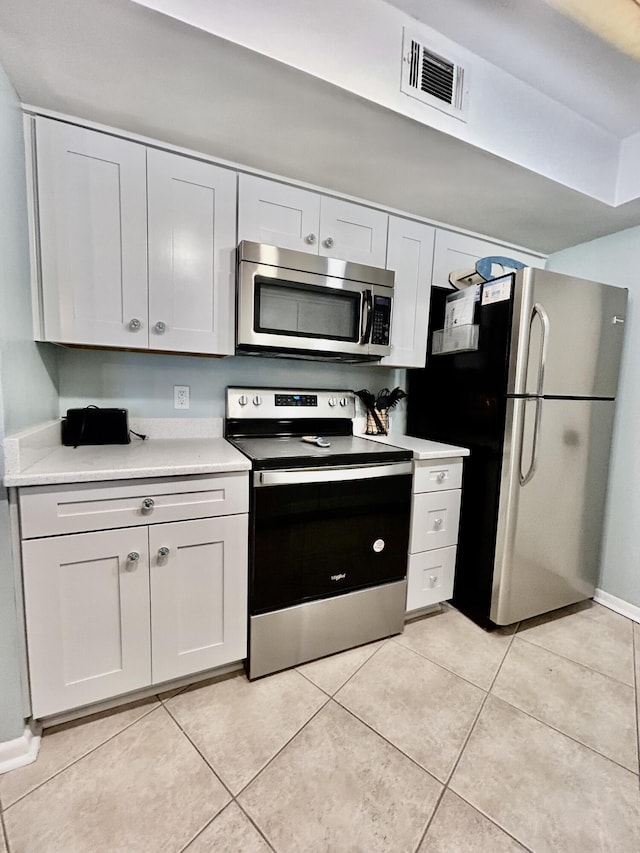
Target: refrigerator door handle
526,478
544,319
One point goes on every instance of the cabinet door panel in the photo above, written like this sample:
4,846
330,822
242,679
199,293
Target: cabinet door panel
93,234
410,254
192,241
277,214
198,595
355,233
460,251
87,615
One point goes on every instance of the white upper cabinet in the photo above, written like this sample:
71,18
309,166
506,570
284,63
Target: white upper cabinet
293,218
277,214
410,255
459,251
192,240
104,206
93,236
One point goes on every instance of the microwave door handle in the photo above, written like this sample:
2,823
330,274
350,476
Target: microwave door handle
367,303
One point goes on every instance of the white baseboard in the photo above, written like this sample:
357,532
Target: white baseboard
617,604
19,752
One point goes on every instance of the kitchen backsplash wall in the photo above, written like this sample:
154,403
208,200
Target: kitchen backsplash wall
143,382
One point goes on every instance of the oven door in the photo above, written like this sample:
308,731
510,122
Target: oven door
323,532
283,310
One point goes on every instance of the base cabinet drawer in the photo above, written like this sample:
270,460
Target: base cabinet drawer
437,476
434,520
430,577
56,510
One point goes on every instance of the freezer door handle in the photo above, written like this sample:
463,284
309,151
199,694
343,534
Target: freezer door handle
539,311
526,477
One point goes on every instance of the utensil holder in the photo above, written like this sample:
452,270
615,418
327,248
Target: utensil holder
372,427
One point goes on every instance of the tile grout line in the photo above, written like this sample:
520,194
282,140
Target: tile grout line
572,660
256,826
5,834
284,746
81,757
466,741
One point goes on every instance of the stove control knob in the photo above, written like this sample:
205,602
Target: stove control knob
257,400
343,401
333,401
243,399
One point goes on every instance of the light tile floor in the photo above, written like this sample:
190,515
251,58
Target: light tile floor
445,739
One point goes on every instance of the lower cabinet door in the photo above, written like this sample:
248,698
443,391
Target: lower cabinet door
87,616
198,595
430,577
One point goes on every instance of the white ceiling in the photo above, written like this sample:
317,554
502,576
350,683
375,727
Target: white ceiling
120,64
579,70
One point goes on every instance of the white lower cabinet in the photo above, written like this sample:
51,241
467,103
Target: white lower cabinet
112,611
435,513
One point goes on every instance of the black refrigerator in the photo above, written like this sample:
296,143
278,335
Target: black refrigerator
526,378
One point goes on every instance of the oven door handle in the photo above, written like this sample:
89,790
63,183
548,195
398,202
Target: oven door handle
296,476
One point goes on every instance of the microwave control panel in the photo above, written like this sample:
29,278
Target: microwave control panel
381,323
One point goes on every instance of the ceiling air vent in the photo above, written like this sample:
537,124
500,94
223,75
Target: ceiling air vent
433,78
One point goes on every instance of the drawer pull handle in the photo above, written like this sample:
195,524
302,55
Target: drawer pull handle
440,477
132,561
433,580
162,553
437,522
148,503
310,238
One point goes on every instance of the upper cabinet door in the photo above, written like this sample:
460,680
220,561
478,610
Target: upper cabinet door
455,251
410,254
353,232
277,214
92,207
192,241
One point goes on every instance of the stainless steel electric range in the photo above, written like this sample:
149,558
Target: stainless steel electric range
329,525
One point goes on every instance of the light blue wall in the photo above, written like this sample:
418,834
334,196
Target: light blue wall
143,382
28,381
616,260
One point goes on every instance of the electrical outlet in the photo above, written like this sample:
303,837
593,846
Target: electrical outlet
180,396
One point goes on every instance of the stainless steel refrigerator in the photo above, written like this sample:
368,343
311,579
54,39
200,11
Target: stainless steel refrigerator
531,391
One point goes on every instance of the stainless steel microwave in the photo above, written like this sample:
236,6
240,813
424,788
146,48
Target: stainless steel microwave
299,305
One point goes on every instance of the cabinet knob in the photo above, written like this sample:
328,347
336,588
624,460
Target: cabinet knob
160,328
163,552
132,561
440,477
433,580
328,242
310,238
135,324
148,503
437,522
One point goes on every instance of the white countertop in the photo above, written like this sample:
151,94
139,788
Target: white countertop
422,448
156,457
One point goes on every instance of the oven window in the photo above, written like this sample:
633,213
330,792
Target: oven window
317,540
305,310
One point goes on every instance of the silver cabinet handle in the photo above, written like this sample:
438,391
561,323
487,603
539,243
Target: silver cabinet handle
135,324
148,503
160,328
310,238
132,561
328,242
433,579
437,522
440,476
163,552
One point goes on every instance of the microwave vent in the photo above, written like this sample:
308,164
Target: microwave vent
433,78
